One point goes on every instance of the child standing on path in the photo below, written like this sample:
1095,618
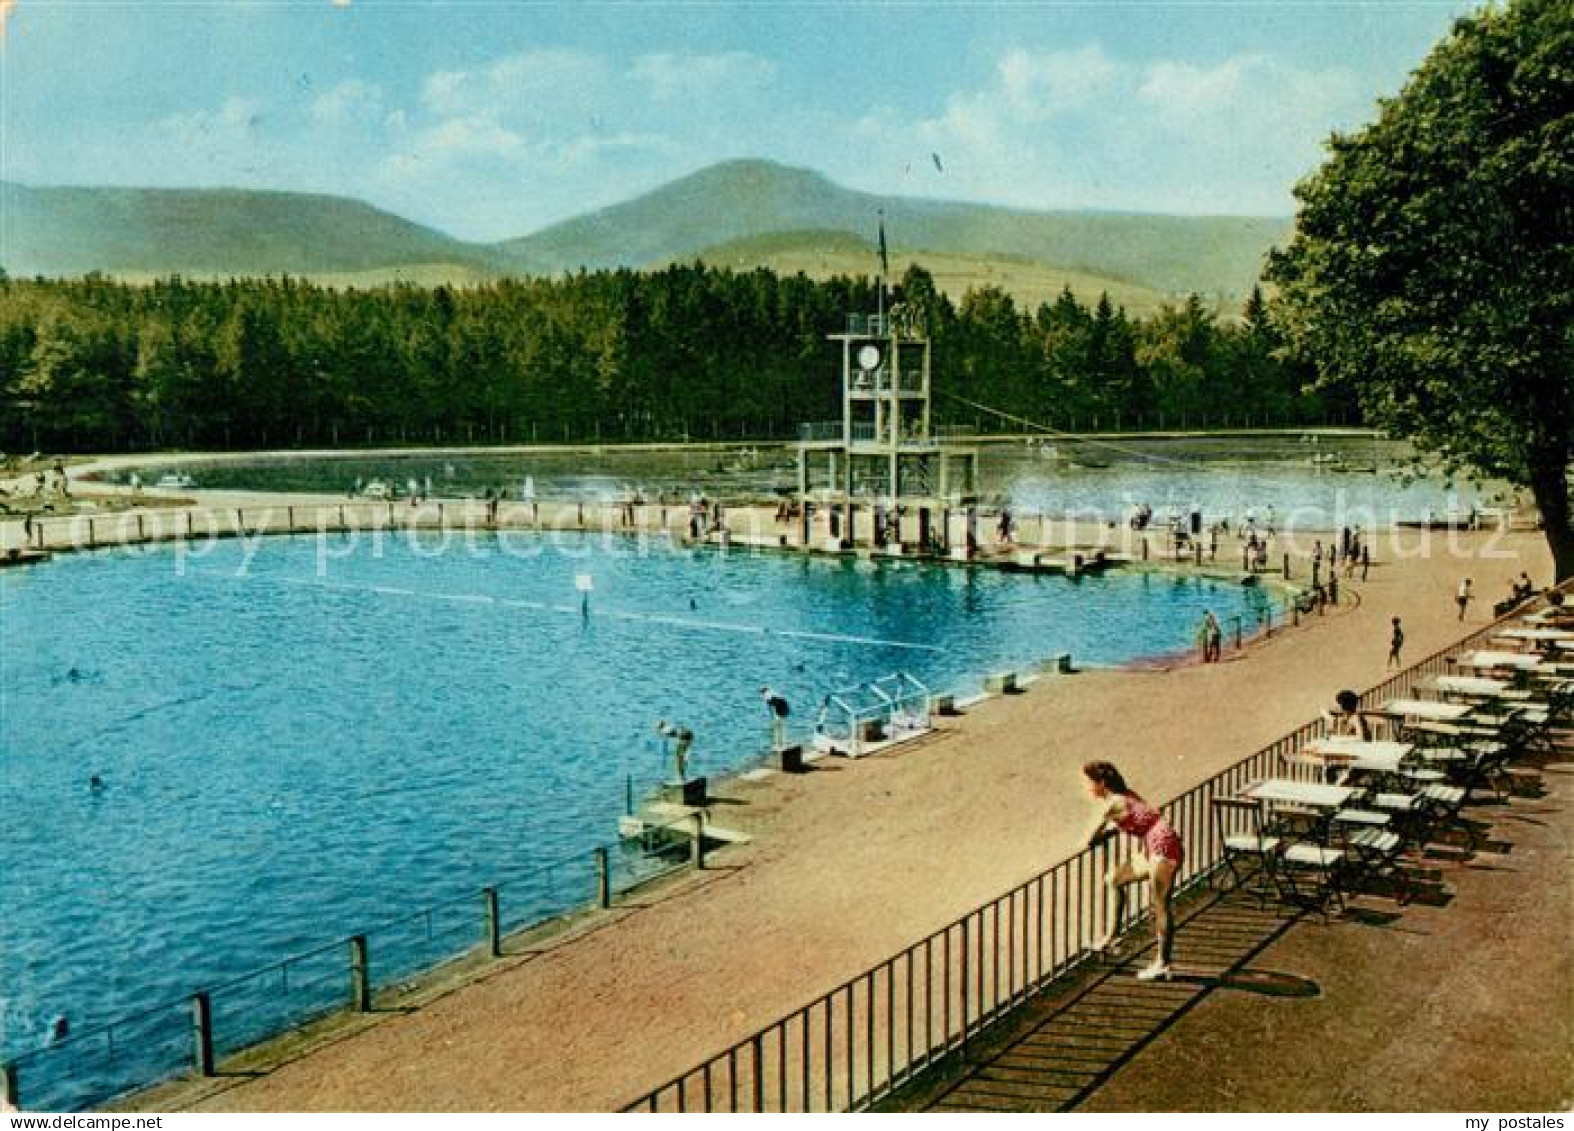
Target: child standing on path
1463,597
1395,643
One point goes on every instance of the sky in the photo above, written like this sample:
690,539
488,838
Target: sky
489,119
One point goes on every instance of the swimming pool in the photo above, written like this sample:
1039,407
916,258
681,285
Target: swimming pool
300,736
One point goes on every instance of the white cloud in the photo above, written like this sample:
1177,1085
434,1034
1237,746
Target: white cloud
1039,86
668,75
351,101
230,142
1082,128
525,85
444,92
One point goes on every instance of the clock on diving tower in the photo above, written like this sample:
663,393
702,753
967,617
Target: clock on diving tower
880,477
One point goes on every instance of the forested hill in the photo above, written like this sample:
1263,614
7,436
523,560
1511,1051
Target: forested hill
215,232
221,233
739,199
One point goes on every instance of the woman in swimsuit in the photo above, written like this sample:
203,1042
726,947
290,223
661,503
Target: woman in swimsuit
1159,861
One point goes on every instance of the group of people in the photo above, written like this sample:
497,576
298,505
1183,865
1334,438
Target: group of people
1520,591
1351,551
677,740
704,516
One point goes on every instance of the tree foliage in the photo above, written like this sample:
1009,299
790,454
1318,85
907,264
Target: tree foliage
688,352
1432,270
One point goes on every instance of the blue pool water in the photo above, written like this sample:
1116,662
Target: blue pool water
314,739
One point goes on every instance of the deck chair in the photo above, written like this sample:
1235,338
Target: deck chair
1249,850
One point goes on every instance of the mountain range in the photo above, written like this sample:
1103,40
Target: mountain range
739,214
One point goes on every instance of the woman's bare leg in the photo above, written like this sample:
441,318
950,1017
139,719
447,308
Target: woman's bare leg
1119,878
1163,912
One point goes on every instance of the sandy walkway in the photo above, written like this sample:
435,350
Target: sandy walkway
854,862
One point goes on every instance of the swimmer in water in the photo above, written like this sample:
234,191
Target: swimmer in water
96,784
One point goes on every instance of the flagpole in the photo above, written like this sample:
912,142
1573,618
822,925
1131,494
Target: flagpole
883,269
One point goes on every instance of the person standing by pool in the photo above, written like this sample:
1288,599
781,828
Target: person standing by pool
777,708
1210,637
682,738
1158,862
1395,643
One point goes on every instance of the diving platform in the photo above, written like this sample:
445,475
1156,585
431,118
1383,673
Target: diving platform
669,819
21,556
884,474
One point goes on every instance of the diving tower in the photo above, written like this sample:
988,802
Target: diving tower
884,475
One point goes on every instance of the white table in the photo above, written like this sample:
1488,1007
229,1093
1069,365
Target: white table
1424,709
1538,635
1467,685
1360,754
1490,660
1474,687
1550,616
1312,795
1535,638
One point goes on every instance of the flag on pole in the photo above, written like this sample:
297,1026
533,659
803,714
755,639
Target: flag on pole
885,262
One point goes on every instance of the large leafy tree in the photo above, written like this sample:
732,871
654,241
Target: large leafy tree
1432,270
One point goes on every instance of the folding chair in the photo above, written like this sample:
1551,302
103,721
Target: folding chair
1372,848
1307,870
1309,874
1239,821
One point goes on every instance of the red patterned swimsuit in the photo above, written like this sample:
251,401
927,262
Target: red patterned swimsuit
1142,820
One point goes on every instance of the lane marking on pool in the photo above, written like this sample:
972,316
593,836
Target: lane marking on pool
575,610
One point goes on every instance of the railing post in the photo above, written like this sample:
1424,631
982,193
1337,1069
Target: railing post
697,845
92,532
964,982
10,1090
759,1074
360,976
603,879
202,1034
494,922
1287,566
141,532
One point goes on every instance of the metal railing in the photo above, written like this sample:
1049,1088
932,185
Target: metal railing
886,380
195,1032
853,718
854,1045
820,430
